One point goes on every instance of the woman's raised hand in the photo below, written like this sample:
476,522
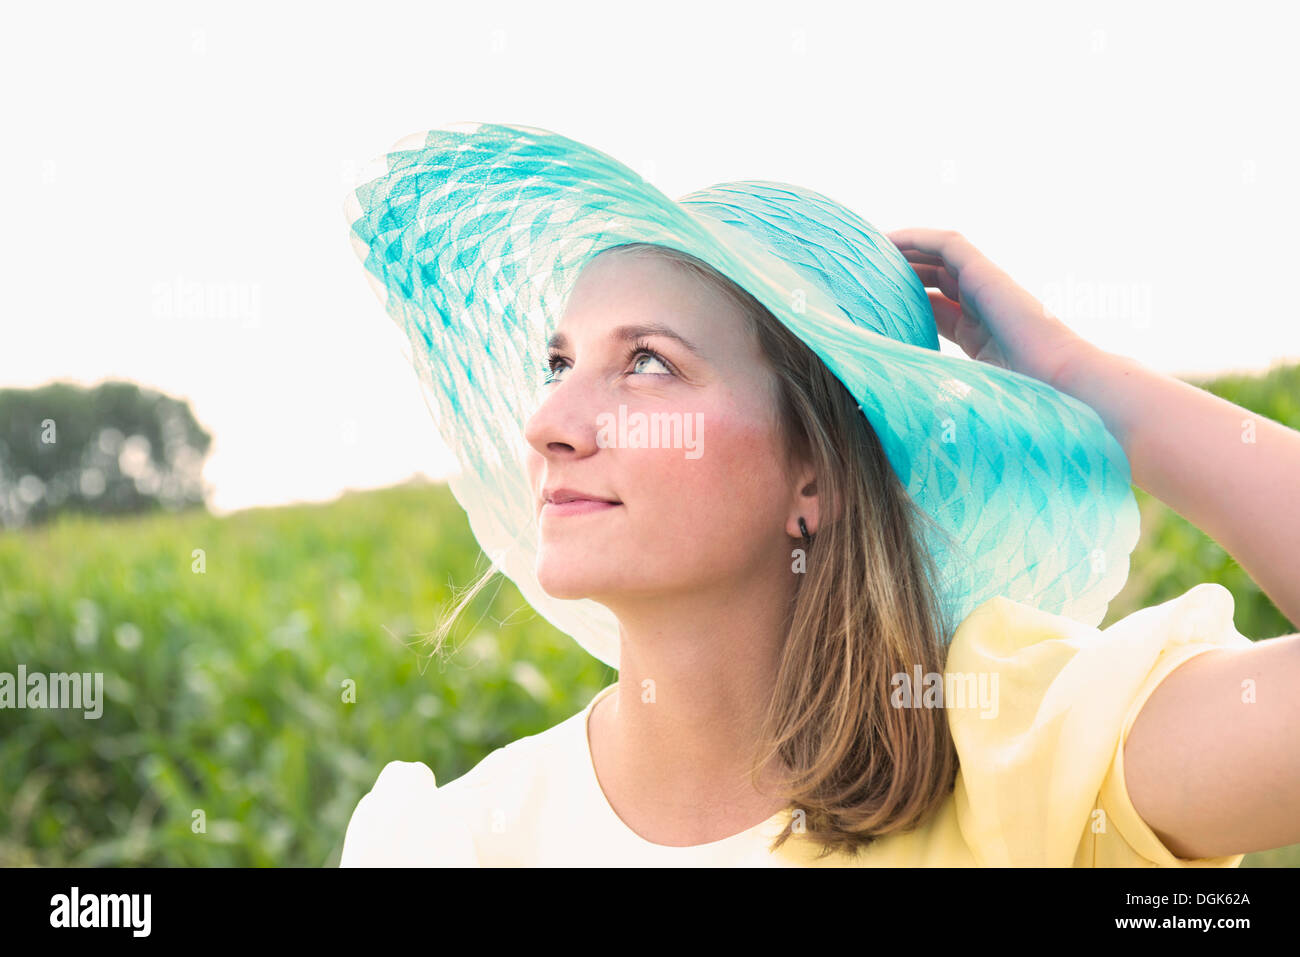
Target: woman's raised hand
983,310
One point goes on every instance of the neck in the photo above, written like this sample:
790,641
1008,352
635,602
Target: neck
673,743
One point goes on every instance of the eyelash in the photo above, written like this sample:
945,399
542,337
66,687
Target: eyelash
637,348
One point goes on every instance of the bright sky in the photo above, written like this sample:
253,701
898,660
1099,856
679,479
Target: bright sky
177,171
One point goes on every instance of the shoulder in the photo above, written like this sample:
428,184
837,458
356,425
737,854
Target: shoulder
508,785
1019,634
506,768
402,821
1040,741
407,819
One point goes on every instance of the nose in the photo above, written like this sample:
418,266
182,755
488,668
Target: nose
565,423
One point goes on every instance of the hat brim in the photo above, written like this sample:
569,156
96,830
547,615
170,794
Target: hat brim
473,234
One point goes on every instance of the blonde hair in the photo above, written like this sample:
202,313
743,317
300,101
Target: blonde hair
864,611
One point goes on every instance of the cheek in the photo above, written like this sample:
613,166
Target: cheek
735,478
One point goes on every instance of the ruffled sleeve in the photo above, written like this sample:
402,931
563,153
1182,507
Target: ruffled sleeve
405,820
1042,753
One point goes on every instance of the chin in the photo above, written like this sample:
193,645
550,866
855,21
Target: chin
568,583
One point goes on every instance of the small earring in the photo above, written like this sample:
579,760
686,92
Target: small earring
803,527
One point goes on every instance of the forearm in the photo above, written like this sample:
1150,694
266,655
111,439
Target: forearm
1233,474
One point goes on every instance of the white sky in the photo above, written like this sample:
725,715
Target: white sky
1134,167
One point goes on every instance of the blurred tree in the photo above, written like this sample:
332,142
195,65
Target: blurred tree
111,449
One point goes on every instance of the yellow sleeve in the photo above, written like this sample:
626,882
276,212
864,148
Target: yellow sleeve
405,821
1041,753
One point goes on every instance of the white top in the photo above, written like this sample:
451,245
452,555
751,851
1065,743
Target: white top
1041,780
535,802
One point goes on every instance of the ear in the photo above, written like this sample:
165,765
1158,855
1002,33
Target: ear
805,504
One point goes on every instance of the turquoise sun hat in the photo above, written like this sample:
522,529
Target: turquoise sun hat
473,234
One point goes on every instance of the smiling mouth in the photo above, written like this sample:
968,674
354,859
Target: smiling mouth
577,506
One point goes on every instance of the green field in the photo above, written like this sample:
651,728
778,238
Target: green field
225,689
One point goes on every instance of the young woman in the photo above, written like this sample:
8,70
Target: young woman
807,676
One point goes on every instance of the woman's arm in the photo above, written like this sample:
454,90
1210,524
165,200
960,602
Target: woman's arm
1214,770
1228,471
1211,770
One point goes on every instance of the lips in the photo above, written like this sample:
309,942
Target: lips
578,506
560,496
568,501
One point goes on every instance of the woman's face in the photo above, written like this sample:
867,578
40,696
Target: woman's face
709,512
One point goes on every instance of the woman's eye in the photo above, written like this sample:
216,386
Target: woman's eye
556,362
649,354
548,371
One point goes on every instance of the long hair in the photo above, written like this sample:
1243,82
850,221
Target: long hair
864,611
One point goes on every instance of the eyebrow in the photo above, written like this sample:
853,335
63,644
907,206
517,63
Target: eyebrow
627,333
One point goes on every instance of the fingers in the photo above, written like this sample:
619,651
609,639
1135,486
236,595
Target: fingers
921,238
946,314
958,326
947,246
936,277
916,256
